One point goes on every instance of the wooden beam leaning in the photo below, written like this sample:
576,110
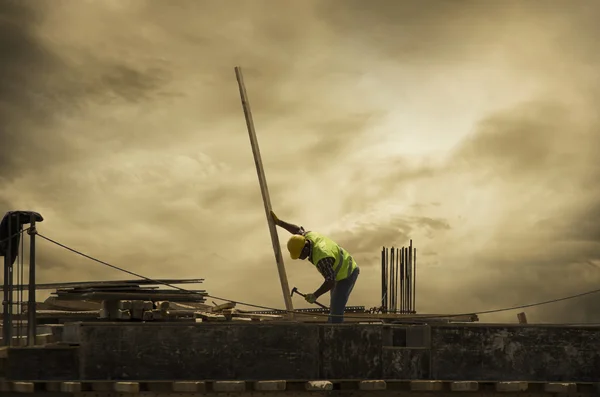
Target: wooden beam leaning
265,192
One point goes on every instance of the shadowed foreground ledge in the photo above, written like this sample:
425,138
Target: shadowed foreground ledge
149,353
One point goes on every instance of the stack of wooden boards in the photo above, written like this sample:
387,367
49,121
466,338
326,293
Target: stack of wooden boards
147,290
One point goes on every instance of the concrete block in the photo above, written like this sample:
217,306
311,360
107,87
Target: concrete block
511,387
127,387
123,315
229,386
189,387
554,387
464,386
372,385
270,385
70,387
23,387
426,385
318,385
124,305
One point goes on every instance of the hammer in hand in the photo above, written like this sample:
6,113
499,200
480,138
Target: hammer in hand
295,290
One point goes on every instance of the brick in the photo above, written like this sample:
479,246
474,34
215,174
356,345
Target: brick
426,385
511,387
189,387
127,387
372,385
229,386
141,305
70,387
23,387
464,386
318,385
270,385
553,387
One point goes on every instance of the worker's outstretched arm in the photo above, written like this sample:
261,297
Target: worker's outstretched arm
325,267
293,229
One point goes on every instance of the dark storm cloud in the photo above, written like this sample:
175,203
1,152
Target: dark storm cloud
116,100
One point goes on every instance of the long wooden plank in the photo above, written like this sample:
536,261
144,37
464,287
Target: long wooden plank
135,296
264,191
84,284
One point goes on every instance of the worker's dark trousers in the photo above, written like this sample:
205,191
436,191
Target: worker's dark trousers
339,297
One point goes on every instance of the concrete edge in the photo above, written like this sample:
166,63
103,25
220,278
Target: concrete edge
241,386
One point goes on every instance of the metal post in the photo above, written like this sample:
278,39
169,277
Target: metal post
410,302
31,304
8,288
265,192
387,281
402,283
415,280
6,320
392,279
383,278
396,278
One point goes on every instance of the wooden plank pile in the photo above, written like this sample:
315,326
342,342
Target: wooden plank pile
146,290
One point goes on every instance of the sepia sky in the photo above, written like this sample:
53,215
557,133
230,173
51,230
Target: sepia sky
470,127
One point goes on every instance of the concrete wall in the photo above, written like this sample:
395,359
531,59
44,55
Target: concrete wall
314,351
496,352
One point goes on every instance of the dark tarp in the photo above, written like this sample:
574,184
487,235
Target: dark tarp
10,227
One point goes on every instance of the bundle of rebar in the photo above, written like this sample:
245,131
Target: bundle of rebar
398,279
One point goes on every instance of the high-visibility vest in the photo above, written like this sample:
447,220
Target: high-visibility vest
324,247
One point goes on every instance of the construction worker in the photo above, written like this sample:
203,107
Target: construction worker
333,262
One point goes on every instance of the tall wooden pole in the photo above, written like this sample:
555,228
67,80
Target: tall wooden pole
264,191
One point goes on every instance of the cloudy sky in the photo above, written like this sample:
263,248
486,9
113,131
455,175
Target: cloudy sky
470,127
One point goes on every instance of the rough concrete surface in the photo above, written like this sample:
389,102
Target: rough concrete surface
288,351
497,352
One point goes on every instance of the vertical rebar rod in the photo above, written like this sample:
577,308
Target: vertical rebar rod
406,275
402,280
387,280
396,278
393,280
411,276
31,304
415,281
382,276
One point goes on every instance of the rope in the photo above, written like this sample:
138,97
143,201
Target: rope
505,309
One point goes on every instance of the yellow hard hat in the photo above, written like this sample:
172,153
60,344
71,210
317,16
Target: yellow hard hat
295,245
